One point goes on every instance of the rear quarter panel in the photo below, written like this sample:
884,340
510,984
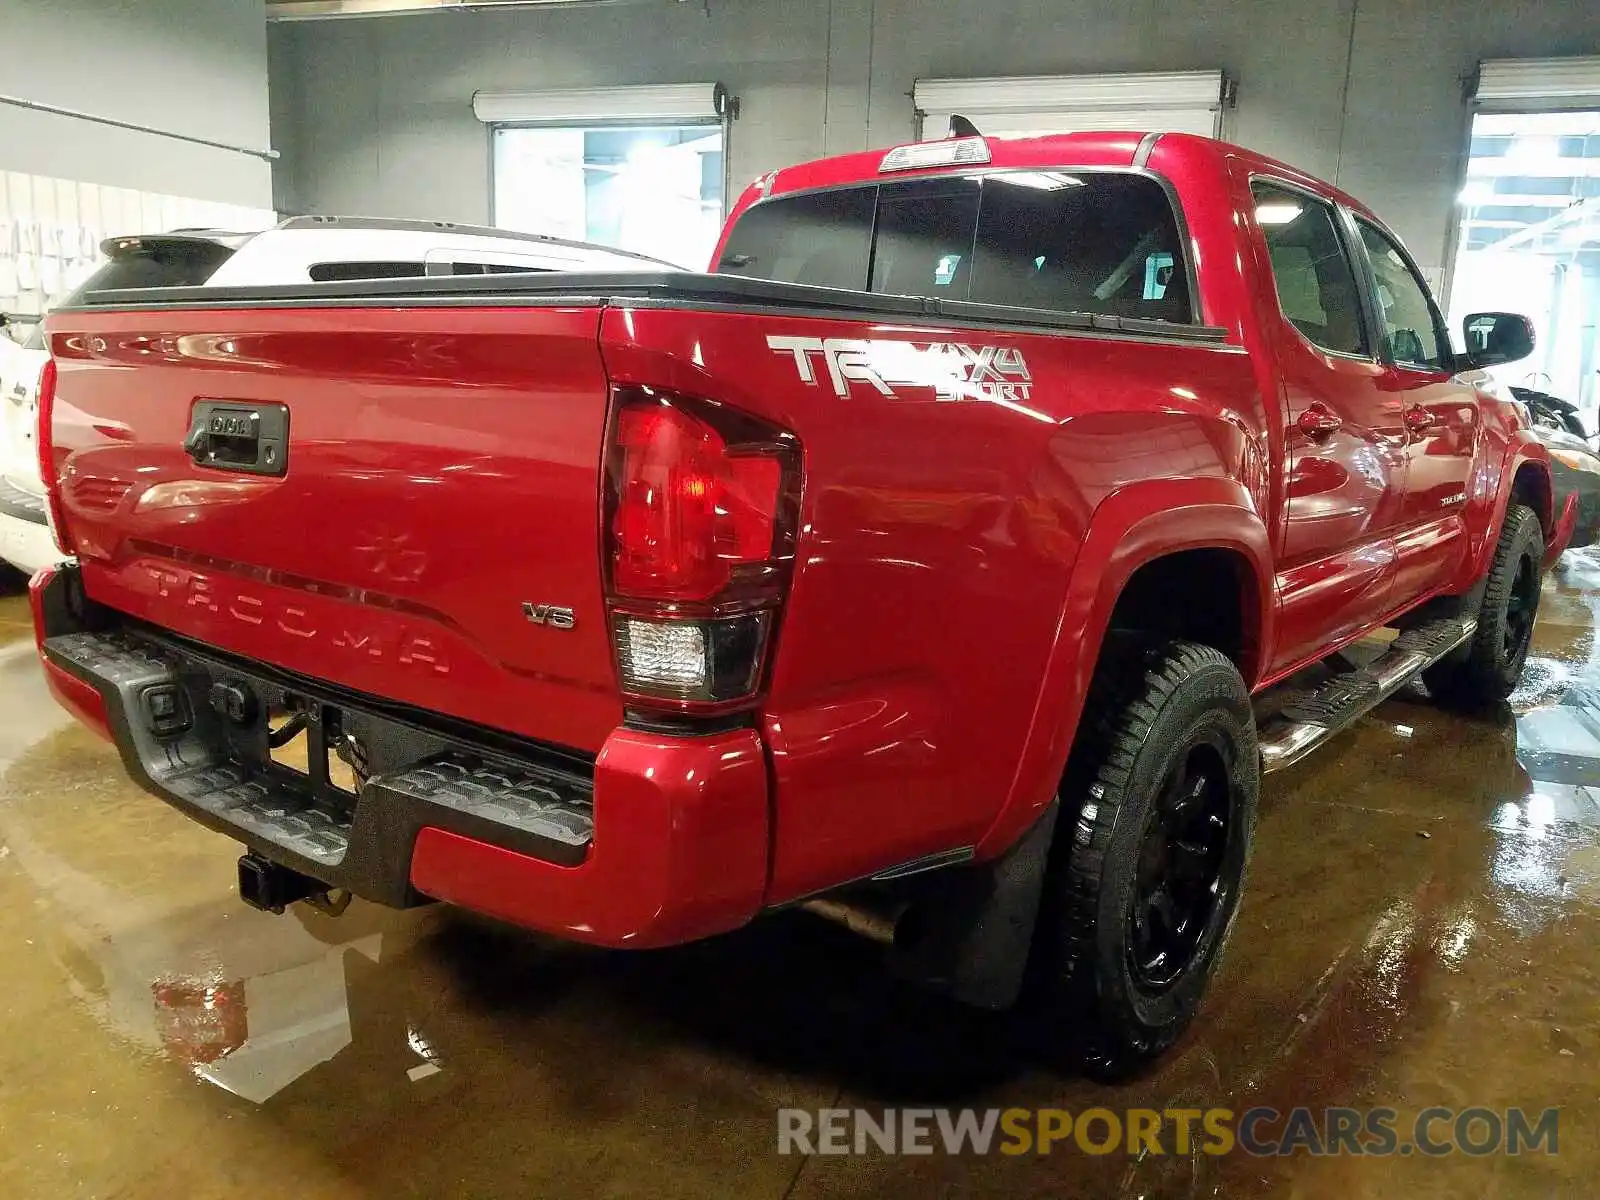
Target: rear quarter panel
938,537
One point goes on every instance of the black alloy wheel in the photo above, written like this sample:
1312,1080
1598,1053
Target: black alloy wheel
1487,669
1521,607
1148,863
1180,888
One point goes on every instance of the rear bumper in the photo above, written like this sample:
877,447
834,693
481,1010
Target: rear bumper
663,839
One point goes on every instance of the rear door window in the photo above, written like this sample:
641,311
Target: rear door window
1094,241
1313,273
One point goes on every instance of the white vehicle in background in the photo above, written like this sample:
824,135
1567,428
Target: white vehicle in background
299,250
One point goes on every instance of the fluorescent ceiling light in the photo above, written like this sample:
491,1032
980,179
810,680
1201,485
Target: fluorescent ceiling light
1044,181
1277,214
323,10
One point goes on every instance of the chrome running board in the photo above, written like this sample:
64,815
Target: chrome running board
1314,717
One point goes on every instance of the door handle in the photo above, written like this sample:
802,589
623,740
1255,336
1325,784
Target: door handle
239,436
1419,420
1318,421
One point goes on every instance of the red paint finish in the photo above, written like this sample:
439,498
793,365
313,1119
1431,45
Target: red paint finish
1331,597
937,539
443,469
680,849
1136,525
1561,534
1345,489
77,697
201,1021
959,554
1506,449
1441,415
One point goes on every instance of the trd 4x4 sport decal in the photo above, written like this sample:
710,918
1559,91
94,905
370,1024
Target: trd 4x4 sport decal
954,370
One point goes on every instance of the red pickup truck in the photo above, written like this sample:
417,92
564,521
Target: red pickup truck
950,541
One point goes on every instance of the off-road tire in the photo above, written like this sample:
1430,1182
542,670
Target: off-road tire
1150,707
1489,667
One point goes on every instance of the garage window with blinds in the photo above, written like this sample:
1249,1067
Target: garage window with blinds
637,168
1161,102
51,230
1528,219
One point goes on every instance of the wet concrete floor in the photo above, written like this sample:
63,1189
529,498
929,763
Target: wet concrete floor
1421,927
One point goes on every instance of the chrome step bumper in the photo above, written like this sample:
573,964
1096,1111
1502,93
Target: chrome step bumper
1308,721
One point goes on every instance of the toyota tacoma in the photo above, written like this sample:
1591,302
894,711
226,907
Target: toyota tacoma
977,532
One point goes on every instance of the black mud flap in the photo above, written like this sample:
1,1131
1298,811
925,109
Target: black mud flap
970,935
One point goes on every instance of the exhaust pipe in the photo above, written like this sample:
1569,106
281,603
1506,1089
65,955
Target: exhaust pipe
872,924
272,888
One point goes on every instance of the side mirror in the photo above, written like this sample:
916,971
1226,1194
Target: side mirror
1494,338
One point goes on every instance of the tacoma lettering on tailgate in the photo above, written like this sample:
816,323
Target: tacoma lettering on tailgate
375,641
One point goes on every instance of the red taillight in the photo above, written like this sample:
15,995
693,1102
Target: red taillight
700,523
47,465
689,511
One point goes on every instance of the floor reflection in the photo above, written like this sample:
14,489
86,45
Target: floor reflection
1548,852
1421,926
246,1001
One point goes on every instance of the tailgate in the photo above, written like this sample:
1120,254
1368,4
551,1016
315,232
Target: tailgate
435,502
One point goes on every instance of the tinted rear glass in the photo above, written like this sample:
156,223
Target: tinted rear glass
821,238
493,268
330,271
161,264
1070,241
157,264
923,245
325,272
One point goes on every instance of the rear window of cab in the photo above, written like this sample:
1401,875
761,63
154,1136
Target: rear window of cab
1098,242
